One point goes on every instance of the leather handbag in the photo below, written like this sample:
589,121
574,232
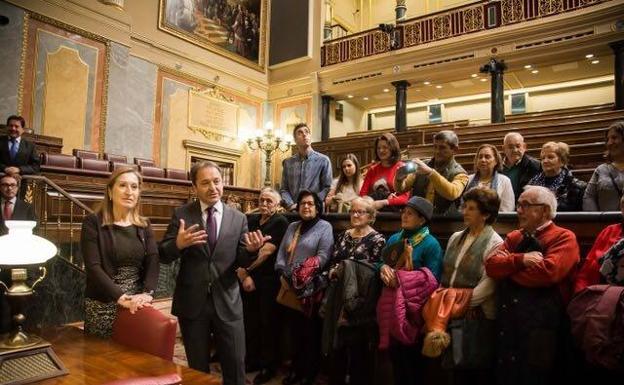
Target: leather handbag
287,296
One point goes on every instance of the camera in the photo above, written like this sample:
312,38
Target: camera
387,28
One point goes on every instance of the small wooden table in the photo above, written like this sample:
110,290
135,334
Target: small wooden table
92,360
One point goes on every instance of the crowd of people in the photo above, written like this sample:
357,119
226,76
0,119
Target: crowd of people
481,310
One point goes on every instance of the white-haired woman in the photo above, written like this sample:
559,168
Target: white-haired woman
350,342
558,178
260,285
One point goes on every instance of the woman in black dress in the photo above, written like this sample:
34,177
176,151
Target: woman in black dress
260,285
120,254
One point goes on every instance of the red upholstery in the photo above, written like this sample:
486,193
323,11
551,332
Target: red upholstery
93,164
144,162
174,173
85,154
147,330
167,379
155,172
115,165
59,160
116,158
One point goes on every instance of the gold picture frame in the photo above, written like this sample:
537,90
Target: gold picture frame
235,29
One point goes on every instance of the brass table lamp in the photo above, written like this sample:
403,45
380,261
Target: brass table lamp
24,357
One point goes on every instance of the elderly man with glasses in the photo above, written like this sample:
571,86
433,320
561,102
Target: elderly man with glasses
534,267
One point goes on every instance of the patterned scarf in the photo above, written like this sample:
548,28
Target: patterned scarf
475,181
553,184
392,253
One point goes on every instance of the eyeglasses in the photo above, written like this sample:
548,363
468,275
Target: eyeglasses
358,213
8,185
526,205
306,203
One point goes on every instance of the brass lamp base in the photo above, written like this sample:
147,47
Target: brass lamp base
18,340
25,365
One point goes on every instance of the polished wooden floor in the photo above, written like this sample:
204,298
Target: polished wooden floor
91,360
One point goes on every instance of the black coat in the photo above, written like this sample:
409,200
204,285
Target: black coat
99,253
26,159
21,212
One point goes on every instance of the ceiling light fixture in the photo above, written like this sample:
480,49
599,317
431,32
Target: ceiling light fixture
528,66
534,72
483,79
426,83
438,86
386,90
596,61
350,96
365,98
589,56
474,75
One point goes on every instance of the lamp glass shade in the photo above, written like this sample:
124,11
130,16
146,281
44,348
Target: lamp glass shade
21,247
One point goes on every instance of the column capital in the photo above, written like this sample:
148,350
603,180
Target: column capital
401,84
493,66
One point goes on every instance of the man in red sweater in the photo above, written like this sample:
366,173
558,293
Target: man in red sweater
534,267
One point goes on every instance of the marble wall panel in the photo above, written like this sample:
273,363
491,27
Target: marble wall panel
50,42
11,40
131,100
66,97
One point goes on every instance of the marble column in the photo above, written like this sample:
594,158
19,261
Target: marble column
369,122
327,25
400,10
618,71
400,115
325,102
496,68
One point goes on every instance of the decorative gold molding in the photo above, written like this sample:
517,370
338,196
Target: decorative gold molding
104,110
208,83
260,65
22,69
69,27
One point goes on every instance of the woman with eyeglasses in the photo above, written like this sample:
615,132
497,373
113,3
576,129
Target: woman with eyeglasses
302,256
260,286
349,333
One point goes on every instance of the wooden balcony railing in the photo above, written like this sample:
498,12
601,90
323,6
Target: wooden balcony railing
479,16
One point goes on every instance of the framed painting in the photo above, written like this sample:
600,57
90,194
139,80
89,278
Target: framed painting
235,29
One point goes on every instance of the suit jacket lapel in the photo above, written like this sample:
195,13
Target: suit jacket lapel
226,223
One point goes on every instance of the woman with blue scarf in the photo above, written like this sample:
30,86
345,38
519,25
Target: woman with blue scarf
411,248
488,165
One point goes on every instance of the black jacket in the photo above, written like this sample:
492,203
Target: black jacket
99,253
26,159
529,167
21,212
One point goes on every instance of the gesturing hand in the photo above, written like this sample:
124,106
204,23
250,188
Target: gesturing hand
191,236
421,167
255,240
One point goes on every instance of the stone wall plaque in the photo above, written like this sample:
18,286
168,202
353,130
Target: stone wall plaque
211,112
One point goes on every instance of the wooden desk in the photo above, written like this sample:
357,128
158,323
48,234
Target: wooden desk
92,360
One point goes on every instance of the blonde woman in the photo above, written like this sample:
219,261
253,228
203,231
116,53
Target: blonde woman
120,254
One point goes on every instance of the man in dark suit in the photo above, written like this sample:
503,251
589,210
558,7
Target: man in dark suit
17,155
11,208
207,236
